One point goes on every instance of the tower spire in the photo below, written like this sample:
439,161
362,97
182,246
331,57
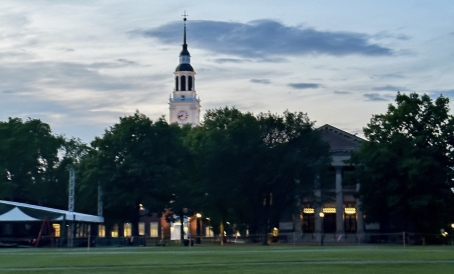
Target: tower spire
184,105
184,20
185,46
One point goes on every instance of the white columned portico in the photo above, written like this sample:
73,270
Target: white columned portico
339,202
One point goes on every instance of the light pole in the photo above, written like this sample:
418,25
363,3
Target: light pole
452,233
321,214
209,228
198,228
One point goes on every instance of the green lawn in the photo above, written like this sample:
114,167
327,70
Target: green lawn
231,259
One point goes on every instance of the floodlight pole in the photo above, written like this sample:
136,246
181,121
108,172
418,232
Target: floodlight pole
71,198
71,192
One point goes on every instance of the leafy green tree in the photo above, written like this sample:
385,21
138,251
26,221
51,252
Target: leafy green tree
71,154
137,161
28,157
405,168
255,166
227,144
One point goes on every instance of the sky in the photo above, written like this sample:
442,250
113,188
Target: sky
80,65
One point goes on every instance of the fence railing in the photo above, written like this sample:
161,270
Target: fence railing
398,238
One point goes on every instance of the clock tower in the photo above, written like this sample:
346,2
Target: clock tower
184,105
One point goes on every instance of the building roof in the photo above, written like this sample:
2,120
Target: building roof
21,212
339,140
184,67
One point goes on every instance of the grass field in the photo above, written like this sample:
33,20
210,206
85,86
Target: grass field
232,259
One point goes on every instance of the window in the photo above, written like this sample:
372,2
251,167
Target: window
183,83
101,231
114,232
141,228
176,83
127,230
56,228
153,229
189,82
82,230
209,231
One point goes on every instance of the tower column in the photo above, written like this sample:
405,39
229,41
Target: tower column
318,206
359,214
339,202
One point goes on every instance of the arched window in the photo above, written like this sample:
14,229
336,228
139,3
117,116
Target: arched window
176,83
183,83
189,82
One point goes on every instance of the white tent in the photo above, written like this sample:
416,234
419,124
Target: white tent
16,214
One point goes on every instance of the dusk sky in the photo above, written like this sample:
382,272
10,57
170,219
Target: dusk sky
80,65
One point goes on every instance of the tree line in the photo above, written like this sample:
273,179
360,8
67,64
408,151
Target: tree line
237,167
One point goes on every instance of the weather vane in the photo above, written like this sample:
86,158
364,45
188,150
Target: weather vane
185,15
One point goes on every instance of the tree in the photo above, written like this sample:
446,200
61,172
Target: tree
255,166
70,156
28,157
137,161
405,168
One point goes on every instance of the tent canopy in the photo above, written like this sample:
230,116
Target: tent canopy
21,212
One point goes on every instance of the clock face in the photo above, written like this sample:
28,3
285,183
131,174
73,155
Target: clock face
182,115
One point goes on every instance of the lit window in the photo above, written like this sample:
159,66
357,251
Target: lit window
101,231
141,228
209,231
127,231
308,210
350,210
56,228
114,233
275,232
329,210
153,229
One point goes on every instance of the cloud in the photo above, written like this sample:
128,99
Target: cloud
265,38
445,93
341,92
14,54
304,85
67,49
116,64
35,77
386,34
387,75
375,97
389,88
230,60
261,81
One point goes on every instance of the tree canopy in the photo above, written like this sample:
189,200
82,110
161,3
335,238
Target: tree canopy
255,166
405,168
28,159
136,161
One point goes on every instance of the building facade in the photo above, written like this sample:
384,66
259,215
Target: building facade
335,210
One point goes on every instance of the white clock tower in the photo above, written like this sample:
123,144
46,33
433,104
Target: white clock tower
184,105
